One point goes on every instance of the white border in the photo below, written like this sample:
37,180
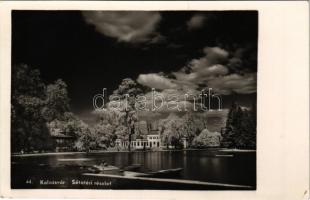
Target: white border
283,99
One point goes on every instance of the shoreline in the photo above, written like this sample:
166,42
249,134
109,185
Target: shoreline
238,150
105,151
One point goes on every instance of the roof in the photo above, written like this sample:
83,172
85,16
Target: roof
153,134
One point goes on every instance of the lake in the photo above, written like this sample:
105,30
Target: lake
210,165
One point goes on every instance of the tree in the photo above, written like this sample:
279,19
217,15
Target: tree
240,131
86,141
28,127
247,131
253,126
37,109
230,132
73,126
192,126
207,139
127,92
57,101
84,136
171,130
174,128
109,126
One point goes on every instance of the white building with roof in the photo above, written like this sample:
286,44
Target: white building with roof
151,140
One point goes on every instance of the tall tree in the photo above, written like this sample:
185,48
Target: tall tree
172,130
28,127
108,127
230,129
240,128
192,125
57,101
253,125
127,92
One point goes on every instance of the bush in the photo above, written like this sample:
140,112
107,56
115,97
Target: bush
207,139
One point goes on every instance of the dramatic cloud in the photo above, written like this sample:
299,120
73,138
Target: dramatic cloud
196,22
155,81
244,60
200,70
131,27
180,91
202,74
241,84
215,55
213,70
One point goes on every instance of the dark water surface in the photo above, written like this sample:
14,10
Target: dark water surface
202,165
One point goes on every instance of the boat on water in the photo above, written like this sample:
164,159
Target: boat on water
224,155
105,169
166,173
134,167
134,174
134,171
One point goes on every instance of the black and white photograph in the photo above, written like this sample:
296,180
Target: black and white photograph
165,100
156,100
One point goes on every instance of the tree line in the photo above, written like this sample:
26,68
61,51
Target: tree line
37,108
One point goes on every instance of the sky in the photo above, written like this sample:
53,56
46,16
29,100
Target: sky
171,51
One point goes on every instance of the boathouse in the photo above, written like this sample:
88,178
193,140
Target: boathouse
62,141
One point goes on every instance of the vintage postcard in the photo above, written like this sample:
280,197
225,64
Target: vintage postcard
151,98
134,99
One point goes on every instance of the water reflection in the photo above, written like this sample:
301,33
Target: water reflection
197,165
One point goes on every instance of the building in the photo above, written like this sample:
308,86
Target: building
185,142
152,141
62,141
150,138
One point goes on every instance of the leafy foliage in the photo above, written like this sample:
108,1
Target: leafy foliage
37,108
28,127
240,131
127,91
207,139
57,101
174,128
171,131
